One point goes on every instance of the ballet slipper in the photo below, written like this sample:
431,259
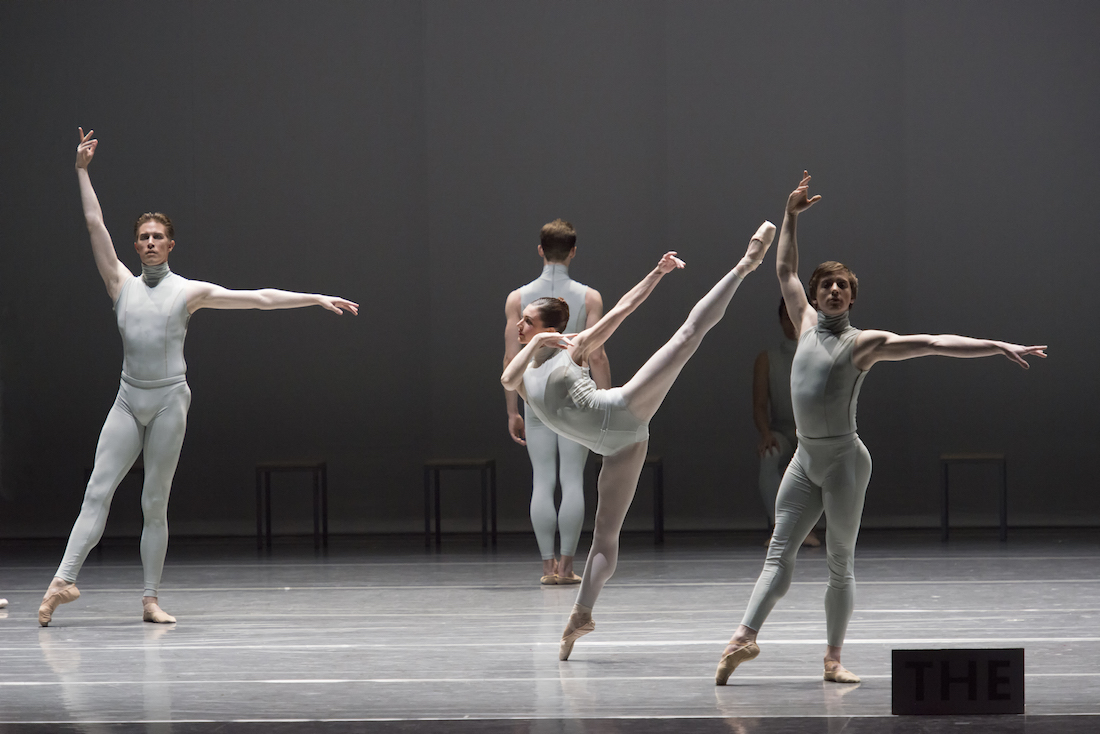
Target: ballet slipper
549,580
54,598
811,541
840,674
729,662
3,603
152,612
571,636
570,579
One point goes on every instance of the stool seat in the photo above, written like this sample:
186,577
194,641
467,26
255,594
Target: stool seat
319,470
946,460
432,470
656,464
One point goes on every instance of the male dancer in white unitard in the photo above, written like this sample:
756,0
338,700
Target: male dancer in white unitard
553,456
552,374
831,467
774,417
150,412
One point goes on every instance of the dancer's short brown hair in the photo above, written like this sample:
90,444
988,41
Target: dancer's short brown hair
156,217
828,268
557,239
553,312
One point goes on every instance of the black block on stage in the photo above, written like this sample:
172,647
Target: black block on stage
984,681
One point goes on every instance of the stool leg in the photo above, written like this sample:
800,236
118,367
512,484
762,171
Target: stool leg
484,474
316,511
1004,501
267,507
324,506
658,503
493,499
259,512
943,508
427,508
438,514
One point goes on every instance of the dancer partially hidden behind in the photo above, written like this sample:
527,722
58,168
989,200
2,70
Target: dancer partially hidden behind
774,417
553,456
831,466
149,415
552,374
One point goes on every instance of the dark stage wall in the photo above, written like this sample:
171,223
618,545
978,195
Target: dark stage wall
404,154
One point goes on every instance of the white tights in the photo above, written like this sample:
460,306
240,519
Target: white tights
149,420
644,393
553,456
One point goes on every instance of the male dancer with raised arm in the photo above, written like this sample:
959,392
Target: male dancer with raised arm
149,415
554,458
831,467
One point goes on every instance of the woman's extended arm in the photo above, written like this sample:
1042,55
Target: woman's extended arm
884,346
786,257
208,295
111,269
593,338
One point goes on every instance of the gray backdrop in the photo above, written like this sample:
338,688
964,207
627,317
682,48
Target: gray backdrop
404,154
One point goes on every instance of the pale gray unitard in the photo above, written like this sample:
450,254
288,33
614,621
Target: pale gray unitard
829,472
562,394
780,422
554,457
149,415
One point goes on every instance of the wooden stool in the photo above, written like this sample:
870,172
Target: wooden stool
657,464
946,460
488,469
319,470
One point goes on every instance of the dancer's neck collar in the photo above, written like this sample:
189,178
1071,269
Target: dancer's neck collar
556,270
154,274
835,324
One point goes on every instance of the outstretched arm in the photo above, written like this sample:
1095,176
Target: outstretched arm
591,339
883,346
111,269
208,295
512,315
786,257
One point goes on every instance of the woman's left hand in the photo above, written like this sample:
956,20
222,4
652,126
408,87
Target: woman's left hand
553,339
670,262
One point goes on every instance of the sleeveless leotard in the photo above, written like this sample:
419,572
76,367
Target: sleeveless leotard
148,418
829,472
562,394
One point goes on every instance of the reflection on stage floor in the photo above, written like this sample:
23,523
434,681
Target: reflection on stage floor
381,630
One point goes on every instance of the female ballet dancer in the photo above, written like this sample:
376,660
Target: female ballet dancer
551,373
149,415
831,467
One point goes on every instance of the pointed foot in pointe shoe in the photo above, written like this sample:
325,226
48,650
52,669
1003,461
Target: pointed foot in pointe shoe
765,234
55,598
841,675
565,647
153,613
729,662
